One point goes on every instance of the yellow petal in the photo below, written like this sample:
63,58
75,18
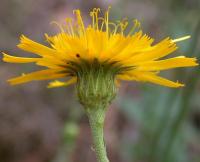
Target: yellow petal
51,65
153,78
14,59
149,77
57,83
138,43
38,75
30,46
175,62
160,50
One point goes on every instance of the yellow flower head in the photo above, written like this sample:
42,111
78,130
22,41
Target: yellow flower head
133,55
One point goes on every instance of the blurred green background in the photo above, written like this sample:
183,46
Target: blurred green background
146,123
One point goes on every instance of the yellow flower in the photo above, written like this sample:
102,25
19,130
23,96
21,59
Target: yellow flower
106,42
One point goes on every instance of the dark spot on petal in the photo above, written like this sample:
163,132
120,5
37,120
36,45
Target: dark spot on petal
77,55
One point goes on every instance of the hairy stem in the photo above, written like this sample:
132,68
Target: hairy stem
96,119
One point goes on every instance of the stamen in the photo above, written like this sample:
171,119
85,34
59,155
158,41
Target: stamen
107,20
95,18
123,24
103,22
69,26
59,26
92,15
116,26
81,25
47,38
136,24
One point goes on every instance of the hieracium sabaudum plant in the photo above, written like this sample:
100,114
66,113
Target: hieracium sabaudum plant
96,58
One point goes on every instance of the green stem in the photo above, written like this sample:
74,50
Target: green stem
96,119
96,89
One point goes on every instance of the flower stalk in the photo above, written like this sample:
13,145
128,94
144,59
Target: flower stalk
96,89
96,119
